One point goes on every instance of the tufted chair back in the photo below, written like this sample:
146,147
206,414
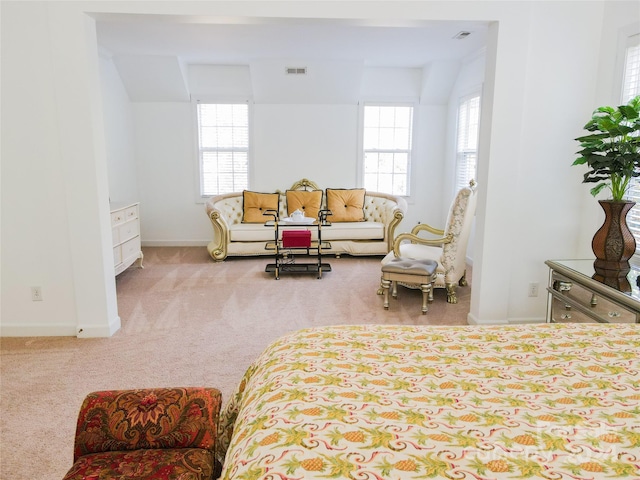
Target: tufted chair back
459,221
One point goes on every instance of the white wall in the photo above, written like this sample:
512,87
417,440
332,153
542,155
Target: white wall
290,140
544,77
167,165
318,142
119,135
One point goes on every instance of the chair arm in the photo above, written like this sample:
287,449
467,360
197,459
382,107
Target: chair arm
424,226
421,241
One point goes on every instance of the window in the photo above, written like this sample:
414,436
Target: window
467,139
223,138
630,89
386,142
631,78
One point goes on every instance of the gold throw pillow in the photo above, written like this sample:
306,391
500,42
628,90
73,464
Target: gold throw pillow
347,205
308,202
254,204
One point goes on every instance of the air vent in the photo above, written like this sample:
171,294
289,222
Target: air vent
296,70
461,35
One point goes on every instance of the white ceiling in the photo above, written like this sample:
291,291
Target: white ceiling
241,41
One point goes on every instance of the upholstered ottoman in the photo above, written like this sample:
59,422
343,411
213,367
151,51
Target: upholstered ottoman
162,433
411,273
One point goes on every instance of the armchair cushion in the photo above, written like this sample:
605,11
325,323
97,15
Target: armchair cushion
191,463
254,204
346,205
169,430
308,202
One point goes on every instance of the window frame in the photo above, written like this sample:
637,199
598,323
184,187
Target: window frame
414,104
202,197
463,98
629,39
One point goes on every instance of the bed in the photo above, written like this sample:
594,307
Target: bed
554,401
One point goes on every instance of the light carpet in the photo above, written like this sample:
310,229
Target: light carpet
186,320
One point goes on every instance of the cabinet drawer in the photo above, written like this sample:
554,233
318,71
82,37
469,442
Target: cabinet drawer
128,230
573,294
131,213
131,248
117,255
562,312
117,218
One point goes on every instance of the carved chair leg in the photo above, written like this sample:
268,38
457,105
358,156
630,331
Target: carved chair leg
426,290
451,293
385,287
394,290
463,280
381,287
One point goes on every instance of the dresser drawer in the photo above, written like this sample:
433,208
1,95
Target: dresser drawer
562,312
125,233
573,302
117,218
131,213
128,230
117,255
131,248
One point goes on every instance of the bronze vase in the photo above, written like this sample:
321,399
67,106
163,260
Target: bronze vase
614,244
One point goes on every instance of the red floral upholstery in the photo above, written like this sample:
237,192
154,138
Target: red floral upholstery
163,433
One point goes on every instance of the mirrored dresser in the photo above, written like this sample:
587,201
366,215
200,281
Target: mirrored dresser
576,293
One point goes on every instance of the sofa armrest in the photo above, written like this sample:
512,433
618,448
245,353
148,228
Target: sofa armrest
223,211
386,209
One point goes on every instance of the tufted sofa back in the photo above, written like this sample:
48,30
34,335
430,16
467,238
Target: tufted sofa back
376,206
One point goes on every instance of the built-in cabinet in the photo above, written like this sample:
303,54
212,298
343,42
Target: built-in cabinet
125,229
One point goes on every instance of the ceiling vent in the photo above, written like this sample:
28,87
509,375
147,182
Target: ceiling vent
296,70
462,35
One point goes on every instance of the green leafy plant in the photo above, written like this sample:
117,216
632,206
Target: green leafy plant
612,149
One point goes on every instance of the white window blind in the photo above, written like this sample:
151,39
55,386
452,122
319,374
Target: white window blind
631,89
467,139
387,135
631,78
223,133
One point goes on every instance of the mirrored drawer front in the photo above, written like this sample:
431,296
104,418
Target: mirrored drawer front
561,312
574,303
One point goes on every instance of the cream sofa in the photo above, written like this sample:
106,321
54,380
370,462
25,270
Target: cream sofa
373,236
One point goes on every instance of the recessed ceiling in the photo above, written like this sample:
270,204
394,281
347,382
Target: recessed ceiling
241,41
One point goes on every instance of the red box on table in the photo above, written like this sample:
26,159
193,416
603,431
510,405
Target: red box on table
296,238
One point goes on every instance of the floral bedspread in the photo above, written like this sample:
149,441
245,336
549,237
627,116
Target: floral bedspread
416,402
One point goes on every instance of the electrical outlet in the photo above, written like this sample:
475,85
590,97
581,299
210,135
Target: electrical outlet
533,289
36,294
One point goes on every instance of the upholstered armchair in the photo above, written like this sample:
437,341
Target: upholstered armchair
449,248
167,433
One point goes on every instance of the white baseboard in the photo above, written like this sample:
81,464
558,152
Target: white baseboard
472,320
175,243
37,330
48,330
96,331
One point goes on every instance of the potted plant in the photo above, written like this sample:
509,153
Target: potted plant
611,150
